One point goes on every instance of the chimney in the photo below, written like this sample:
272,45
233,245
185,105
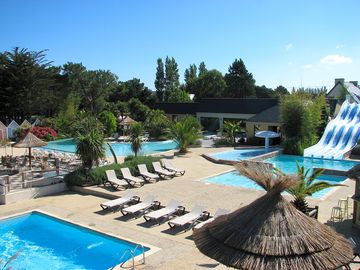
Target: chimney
339,80
354,83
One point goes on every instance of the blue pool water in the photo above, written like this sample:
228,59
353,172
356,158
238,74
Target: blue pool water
241,154
44,242
287,164
121,149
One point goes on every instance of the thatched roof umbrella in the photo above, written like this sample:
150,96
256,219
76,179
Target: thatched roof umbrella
270,233
125,121
30,140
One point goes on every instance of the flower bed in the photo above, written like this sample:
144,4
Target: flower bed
44,133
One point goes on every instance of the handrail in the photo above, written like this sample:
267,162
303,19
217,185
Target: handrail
142,251
132,253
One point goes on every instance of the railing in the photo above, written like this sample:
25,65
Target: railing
132,254
25,181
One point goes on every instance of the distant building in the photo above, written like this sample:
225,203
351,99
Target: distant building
3,131
254,113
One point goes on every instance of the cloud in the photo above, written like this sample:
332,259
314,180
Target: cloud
308,66
339,46
288,47
335,59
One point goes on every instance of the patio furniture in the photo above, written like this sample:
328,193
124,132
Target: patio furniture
132,180
219,212
189,220
148,176
162,172
170,167
174,207
117,204
139,209
115,182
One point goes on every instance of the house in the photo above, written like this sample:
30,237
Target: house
253,113
37,122
3,131
25,125
11,129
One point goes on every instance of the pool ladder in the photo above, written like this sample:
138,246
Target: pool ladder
132,254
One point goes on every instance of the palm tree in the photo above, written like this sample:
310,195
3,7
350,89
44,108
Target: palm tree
231,129
185,132
306,186
90,147
136,130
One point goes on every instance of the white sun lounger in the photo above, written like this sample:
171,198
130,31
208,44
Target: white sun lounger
191,218
160,171
174,207
132,180
146,174
219,212
115,205
114,181
170,167
140,208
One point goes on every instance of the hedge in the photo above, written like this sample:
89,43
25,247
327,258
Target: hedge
96,176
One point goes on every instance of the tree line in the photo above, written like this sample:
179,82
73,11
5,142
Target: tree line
238,82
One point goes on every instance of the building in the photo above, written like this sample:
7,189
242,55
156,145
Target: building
253,113
12,128
3,131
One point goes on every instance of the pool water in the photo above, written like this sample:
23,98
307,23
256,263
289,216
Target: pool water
241,154
120,149
287,164
44,242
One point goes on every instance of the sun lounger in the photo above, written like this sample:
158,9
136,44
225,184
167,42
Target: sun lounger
148,176
132,180
141,208
115,182
170,167
165,213
189,219
219,212
119,203
160,171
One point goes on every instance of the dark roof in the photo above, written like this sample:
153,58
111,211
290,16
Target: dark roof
225,105
271,115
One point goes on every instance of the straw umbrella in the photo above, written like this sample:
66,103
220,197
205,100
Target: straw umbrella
30,140
270,233
125,121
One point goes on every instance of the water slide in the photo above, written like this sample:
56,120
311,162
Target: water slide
340,136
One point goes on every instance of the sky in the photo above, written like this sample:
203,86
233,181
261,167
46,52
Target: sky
282,42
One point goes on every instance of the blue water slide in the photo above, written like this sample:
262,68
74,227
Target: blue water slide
350,145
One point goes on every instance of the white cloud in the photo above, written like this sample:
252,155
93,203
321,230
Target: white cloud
335,59
308,66
339,46
289,46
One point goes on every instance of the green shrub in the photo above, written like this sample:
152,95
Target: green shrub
96,176
223,142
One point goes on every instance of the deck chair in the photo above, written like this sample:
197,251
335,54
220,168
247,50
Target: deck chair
141,208
119,203
170,167
219,212
189,220
115,182
174,207
162,172
148,176
132,180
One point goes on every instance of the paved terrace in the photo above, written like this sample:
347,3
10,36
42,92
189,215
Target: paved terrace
178,251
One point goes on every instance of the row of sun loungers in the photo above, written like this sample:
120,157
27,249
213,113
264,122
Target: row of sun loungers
150,209
168,171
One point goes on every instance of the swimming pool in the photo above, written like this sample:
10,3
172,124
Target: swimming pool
120,149
287,164
45,242
241,154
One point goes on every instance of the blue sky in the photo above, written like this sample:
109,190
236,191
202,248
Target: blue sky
292,43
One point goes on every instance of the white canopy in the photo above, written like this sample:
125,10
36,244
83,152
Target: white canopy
267,135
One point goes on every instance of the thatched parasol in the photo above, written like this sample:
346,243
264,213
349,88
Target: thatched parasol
30,140
270,233
125,121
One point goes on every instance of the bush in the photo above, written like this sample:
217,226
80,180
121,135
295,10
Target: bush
44,133
223,142
96,176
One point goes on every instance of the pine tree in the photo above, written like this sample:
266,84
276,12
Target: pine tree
202,69
171,77
190,74
160,80
240,83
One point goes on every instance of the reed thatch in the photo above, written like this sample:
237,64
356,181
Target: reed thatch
29,141
270,233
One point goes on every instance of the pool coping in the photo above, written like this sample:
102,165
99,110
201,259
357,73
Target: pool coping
152,249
